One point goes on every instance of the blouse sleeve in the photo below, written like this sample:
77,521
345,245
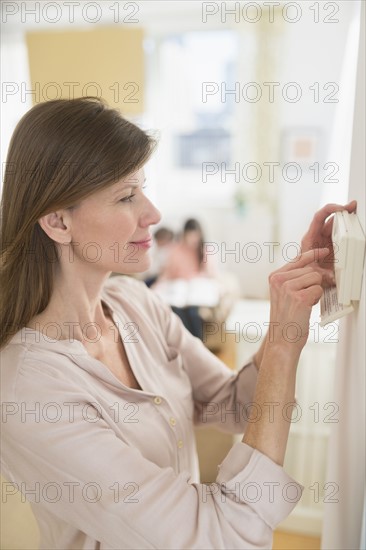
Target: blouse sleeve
83,473
221,396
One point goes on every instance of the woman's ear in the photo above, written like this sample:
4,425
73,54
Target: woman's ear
57,226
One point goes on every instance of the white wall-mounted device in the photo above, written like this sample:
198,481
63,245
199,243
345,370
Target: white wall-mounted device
349,250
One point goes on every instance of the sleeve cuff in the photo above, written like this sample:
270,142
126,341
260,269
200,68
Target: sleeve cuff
248,476
250,370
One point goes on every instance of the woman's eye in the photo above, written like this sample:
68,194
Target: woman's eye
127,199
130,197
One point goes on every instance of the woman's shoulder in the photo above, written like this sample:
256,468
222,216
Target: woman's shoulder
26,369
12,358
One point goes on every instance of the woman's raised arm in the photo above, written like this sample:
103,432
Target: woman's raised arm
294,289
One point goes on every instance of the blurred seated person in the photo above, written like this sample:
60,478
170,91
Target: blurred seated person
186,258
184,281
163,240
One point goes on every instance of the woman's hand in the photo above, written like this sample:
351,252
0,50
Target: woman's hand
294,289
319,235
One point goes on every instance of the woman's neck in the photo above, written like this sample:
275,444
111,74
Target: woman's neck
69,318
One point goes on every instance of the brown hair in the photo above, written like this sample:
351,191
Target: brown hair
61,152
194,225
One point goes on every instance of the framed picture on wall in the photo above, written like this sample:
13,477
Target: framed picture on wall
301,145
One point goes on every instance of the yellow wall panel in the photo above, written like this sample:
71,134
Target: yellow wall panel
19,528
106,62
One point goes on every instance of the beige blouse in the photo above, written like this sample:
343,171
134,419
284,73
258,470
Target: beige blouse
107,466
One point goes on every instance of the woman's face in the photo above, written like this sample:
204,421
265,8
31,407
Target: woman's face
107,228
192,238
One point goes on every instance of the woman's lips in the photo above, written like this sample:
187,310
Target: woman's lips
146,243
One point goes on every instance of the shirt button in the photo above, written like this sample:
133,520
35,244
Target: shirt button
157,400
180,444
173,421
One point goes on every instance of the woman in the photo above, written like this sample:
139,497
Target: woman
100,380
163,240
186,261
186,258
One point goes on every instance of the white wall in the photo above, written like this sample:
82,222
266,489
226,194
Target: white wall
314,53
346,454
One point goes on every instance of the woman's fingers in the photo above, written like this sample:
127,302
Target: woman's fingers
304,281
351,206
314,255
308,263
326,275
327,210
312,294
294,290
284,288
320,229
328,225
284,276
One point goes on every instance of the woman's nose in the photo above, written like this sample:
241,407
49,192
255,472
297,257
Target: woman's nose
150,215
